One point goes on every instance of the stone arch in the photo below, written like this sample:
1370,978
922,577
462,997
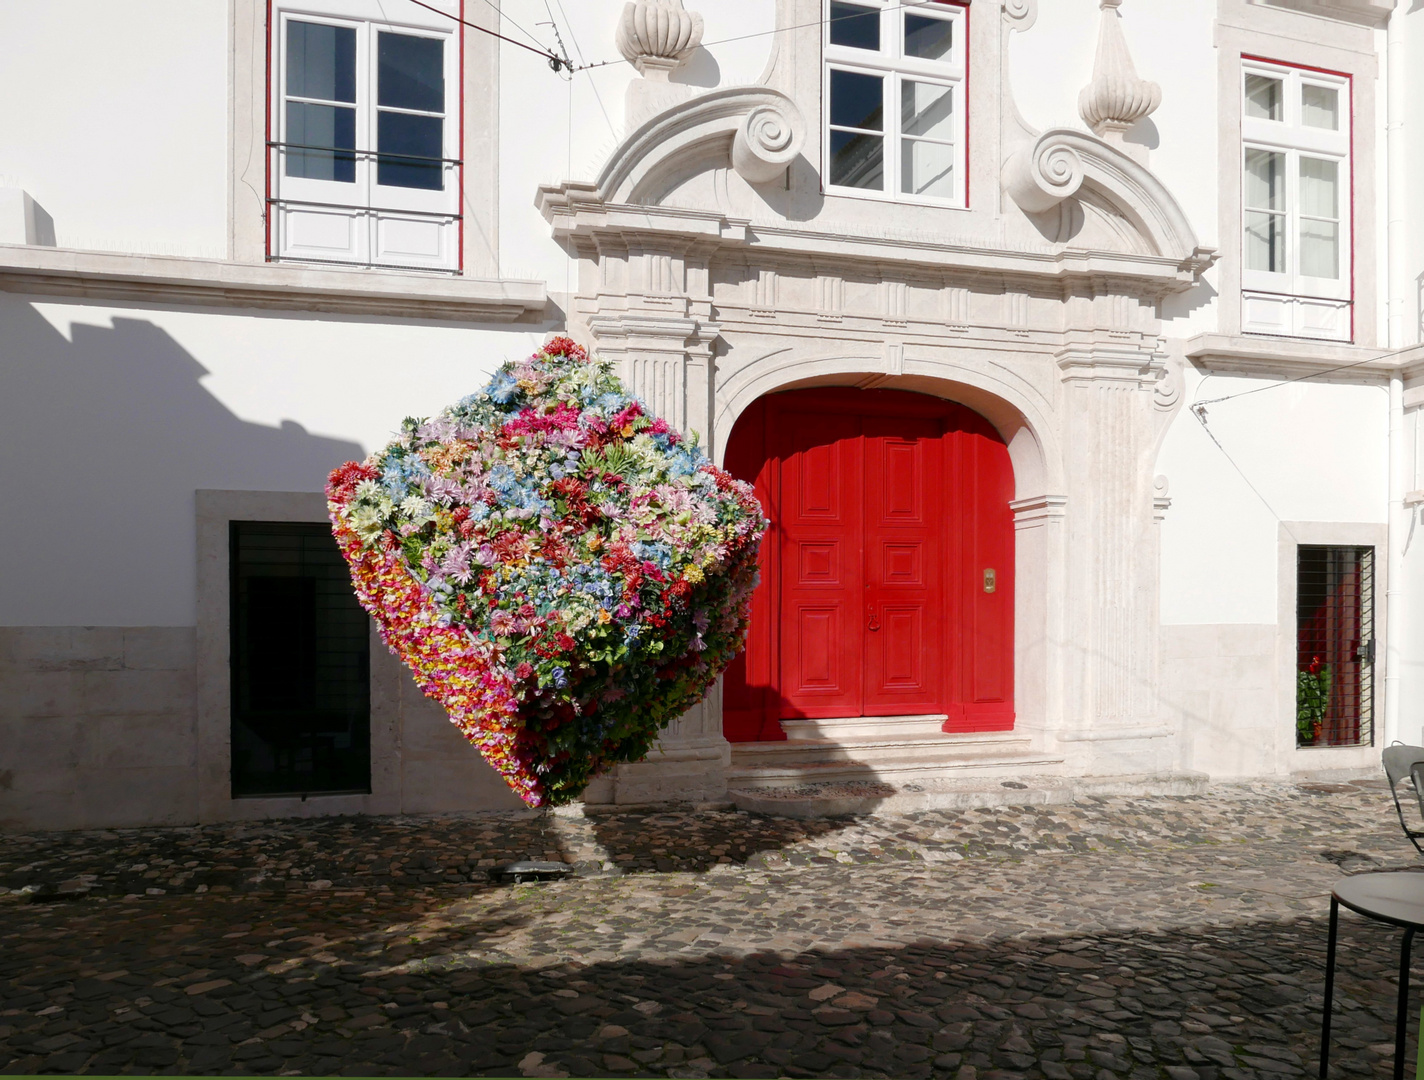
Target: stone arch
1019,414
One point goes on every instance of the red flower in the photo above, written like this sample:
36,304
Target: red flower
565,346
524,670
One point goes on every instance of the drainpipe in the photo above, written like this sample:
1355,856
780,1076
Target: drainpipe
1398,272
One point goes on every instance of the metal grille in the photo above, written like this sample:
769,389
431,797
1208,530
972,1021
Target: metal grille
1335,646
300,652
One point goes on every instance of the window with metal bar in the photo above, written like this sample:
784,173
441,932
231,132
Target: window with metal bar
364,136
300,664
1335,646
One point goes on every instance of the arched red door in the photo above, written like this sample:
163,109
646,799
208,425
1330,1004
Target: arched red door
887,574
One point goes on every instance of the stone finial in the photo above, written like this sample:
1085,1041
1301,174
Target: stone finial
657,36
1116,98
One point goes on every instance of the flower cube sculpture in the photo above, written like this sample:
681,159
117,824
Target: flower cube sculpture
562,571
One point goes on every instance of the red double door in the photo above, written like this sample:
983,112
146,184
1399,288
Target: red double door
887,574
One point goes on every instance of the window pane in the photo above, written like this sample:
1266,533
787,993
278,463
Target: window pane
321,61
1264,97
1320,107
321,125
1320,249
857,100
927,109
1265,180
857,160
855,27
410,73
928,39
1319,183
927,169
1266,242
416,136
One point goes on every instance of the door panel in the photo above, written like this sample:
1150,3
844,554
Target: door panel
820,561
904,583
985,481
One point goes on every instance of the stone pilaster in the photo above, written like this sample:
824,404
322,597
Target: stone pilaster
1110,719
665,354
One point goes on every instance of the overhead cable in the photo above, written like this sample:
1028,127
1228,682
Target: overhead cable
555,62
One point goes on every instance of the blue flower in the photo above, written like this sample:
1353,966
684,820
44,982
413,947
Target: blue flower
503,387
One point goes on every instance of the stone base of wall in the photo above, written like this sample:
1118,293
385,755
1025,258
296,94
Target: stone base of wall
98,729
1229,690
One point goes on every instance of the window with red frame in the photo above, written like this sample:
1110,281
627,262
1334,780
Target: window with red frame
1295,262
894,93
363,125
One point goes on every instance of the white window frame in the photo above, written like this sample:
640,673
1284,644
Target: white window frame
893,66
1288,302
364,223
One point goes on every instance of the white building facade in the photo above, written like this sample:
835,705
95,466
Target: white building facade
1074,346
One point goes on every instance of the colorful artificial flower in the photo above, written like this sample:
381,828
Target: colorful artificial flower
560,569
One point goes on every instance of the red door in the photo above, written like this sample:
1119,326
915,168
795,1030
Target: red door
887,575
903,560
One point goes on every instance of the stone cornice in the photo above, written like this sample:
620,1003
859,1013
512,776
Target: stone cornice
1368,12
579,217
1280,357
102,275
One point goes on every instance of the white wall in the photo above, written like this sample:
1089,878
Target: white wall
113,116
555,128
112,417
1314,451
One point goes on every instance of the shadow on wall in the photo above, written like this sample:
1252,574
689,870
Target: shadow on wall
106,438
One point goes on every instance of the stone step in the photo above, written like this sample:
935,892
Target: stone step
863,727
843,798
891,770
918,748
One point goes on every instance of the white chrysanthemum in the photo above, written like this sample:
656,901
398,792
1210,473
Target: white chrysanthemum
366,521
369,491
414,506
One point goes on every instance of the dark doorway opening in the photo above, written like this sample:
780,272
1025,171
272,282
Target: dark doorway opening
300,655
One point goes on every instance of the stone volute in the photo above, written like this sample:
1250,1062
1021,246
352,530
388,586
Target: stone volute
656,37
1116,98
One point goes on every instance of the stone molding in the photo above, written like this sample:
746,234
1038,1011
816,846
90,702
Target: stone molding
755,129
103,275
1041,174
1279,357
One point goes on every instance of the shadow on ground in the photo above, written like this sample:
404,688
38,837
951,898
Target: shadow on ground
348,985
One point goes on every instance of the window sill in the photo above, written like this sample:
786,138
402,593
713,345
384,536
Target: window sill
1288,357
103,275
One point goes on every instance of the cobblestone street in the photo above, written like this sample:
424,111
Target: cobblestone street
1179,938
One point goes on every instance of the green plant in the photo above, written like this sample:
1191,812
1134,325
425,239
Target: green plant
1312,695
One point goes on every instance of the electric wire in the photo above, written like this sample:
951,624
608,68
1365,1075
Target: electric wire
495,8
554,62
1287,382
560,64
1201,419
583,67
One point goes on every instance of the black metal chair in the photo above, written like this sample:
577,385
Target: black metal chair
1401,761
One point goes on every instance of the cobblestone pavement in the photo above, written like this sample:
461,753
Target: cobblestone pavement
1173,938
